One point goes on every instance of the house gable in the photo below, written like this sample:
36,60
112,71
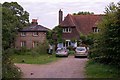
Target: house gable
83,23
31,35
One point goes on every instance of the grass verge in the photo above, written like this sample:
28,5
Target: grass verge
30,59
97,70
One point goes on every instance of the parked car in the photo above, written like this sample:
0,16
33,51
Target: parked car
62,52
81,51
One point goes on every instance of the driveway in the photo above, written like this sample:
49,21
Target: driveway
64,68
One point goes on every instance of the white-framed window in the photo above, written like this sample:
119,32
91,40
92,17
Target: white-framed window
23,34
95,29
67,30
23,43
35,43
67,43
35,33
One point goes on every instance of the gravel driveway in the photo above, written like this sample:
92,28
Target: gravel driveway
64,68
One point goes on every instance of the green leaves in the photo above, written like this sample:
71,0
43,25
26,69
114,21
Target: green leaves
11,21
83,13
108,39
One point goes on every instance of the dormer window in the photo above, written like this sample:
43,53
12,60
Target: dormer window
95,29
23,34
67,30
35,33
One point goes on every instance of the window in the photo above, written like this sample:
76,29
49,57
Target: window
23,43
35,33
35,43
23,33
67,30
95,29
67,43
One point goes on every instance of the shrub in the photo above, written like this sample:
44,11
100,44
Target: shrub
9,70
41,48
70,48
71,52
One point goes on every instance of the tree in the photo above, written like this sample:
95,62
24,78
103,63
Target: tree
107,43
83,13
87,39
13,18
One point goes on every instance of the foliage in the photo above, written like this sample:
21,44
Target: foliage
40,49
71,52
83,13
9,70
87,39
55,33
97,70
58,32
50,37
13,18
106,44
73,40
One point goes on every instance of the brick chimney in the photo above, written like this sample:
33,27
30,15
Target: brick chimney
60,16
34,22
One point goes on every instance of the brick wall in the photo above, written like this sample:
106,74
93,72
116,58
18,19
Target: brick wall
29,38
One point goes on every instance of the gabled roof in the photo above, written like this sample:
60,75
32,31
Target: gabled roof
83,23
68,21
37,28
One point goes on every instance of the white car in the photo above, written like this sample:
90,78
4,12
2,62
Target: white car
62,52
81,51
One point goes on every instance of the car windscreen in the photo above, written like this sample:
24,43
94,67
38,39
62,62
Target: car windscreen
80,49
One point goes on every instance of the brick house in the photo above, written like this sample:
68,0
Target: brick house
31,36
73,25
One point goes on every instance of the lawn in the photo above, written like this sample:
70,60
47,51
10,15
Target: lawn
30,59
97,70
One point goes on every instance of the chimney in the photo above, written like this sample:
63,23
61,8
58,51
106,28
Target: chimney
60,16
34,22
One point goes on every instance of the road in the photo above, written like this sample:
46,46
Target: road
64,68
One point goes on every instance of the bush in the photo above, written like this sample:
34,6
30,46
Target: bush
70,48
41,48
71,52
9,70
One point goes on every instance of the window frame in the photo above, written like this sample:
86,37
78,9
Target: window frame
35,43
95,30
23,43
67,30
35,34
23,34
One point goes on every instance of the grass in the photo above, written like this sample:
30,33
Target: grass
97,70
37,59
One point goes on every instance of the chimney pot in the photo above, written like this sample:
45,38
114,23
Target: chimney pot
34,22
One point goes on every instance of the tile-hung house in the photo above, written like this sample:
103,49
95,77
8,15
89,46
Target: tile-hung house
73,25
31,36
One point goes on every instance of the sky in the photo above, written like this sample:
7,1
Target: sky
46,11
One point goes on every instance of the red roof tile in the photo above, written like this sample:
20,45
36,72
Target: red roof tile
83,23
68,21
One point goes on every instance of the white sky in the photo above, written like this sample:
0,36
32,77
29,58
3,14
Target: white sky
46,11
